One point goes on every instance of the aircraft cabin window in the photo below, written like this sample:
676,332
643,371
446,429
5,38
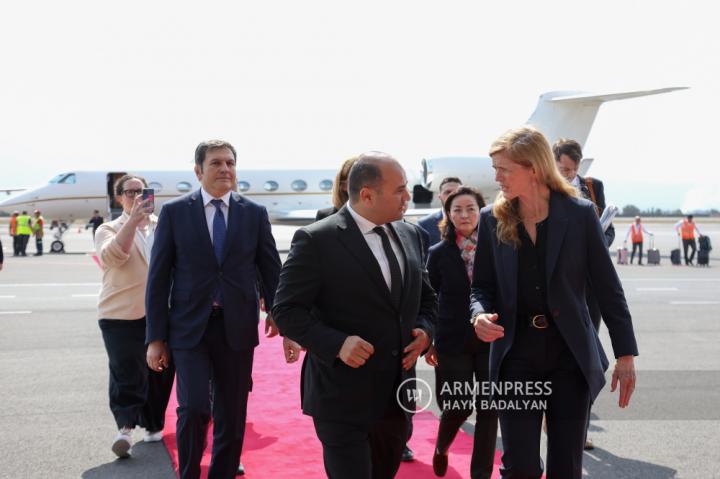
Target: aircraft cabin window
326,185
271,185
299,185
69,179
183,187
243,186
156,186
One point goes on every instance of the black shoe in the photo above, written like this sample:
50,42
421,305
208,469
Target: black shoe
241,470
407,455
440,463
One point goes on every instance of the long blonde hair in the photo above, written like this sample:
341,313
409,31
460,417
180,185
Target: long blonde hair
527,147
340,195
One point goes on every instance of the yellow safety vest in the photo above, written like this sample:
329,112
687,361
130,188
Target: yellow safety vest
38,226
23,225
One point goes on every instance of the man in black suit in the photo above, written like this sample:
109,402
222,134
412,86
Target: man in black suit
430,222
355,293
568,154
212,249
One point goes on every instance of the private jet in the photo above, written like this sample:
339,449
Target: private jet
294,196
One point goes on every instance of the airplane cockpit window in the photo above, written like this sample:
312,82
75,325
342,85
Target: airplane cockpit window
183,187
68,180
156,186
271,185
298,185
326,185
57,178
243,186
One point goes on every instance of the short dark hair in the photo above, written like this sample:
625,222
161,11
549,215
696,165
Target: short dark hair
690,217
571,148
449,179
119,183
365,172
447,228
209,145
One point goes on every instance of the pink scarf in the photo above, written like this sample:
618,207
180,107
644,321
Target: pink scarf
467,251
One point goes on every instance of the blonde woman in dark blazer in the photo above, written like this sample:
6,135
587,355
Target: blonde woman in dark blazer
537,246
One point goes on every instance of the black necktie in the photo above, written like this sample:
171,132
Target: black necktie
395,274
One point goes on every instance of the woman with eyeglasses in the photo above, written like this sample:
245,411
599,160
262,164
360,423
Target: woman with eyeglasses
138,395
459,357
538,246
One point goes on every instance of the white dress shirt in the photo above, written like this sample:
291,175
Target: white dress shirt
375,243
210,208
576,183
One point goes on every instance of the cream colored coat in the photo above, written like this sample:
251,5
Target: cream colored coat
122,295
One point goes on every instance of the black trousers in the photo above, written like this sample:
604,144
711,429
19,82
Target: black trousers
636,246
689,244
364,451
16,245
456,376
22,244
38,246
212,363
138,395
543,355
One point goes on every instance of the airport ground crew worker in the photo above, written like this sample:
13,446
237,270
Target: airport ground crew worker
635,233
38,229
23,231
686,230
13,233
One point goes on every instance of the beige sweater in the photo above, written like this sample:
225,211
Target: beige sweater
124,275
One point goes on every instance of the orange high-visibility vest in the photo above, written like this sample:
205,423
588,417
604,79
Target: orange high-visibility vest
636,233
687,230
13,225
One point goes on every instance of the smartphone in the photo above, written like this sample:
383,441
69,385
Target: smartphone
149,194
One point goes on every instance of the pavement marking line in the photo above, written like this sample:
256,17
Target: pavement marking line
15,312
93,295
38,285
656,289
7,296
694,302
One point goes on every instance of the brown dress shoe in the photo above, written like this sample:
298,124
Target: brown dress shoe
440,463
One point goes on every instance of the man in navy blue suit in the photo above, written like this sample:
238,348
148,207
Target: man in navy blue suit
430,222
212,249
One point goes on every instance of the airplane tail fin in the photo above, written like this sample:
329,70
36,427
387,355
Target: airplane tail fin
570,114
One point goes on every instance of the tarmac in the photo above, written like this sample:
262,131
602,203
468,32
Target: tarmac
55,419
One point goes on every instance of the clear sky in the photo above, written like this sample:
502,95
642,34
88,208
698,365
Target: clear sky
95,85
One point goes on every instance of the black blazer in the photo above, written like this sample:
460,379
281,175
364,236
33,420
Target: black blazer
448,278
430,224
183,268
331,287
599,190
575,252
325,212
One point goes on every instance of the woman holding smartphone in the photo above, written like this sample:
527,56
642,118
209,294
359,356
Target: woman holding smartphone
138,396
459,357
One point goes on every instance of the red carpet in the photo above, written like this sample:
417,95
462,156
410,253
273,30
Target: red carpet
280,441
